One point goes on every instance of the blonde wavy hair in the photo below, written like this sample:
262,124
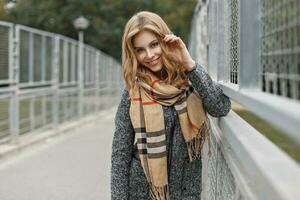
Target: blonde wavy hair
172,72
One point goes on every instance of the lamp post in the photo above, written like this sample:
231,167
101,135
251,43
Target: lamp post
9,6
80,23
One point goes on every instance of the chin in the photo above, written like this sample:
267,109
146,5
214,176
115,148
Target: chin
155,68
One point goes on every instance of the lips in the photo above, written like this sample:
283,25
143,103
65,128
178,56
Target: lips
153,62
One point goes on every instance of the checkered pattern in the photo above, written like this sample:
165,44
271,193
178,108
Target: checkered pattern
146,114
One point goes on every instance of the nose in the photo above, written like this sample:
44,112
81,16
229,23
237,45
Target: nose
149,53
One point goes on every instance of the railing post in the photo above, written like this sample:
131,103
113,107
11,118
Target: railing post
100,71
65,62
31,112
55,83
80,76
14,102
44,109
213,39
249,76
97,65
223,48
43,60
31,58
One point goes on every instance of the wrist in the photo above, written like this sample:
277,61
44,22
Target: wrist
190,66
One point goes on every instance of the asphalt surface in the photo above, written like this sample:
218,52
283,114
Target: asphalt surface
73,166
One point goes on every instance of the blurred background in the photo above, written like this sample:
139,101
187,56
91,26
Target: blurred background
107,17
60,70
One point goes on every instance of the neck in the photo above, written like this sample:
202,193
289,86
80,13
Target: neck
162,74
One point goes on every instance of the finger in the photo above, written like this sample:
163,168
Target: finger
177,43
176,39
172,39
168,37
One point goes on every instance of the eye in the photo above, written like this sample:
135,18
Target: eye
139,50
155,44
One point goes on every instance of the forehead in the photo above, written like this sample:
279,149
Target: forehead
143,38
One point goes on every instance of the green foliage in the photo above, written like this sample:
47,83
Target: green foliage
3,13
107,17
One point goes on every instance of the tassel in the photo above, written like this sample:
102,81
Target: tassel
195,145
207,137
159,193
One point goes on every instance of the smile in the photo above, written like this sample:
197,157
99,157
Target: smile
153,62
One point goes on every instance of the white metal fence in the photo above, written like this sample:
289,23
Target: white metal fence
47,79
253,53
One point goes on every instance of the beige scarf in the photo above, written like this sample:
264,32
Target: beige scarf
147,118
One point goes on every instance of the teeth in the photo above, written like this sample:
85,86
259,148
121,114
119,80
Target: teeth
153,62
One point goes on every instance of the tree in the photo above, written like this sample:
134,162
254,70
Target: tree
107,17
3,12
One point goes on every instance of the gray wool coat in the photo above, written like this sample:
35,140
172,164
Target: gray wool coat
128,181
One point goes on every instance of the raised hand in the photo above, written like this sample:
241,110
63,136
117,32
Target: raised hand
178,51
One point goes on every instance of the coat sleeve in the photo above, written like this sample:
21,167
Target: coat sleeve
215,102
122,147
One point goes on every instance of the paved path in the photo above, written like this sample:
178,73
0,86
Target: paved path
74,166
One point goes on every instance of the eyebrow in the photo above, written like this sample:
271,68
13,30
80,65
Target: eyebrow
155,40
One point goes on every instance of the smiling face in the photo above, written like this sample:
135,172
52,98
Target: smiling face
148,50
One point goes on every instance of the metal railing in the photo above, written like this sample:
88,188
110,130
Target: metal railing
253,53
47,79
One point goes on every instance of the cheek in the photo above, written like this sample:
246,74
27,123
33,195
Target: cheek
139,57
159,50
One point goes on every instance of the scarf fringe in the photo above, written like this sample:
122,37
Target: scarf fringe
159,193
195,145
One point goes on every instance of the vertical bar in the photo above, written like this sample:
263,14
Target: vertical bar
97,63
80,74
76,63
31,57
66,60
294,77
234,36
43,59
213,30
93,68
73,64
65,102
100,78
224,73
32,112
90,67
14,117
44,110
87,67
111,78
12,52
221,63
14,101
105,78
55,82
107,74
249,73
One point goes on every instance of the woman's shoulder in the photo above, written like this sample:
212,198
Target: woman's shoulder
125,99
125,95
122,113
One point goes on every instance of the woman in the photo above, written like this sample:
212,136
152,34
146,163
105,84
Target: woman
161,121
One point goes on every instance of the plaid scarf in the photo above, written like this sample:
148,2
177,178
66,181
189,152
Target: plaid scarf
147,118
